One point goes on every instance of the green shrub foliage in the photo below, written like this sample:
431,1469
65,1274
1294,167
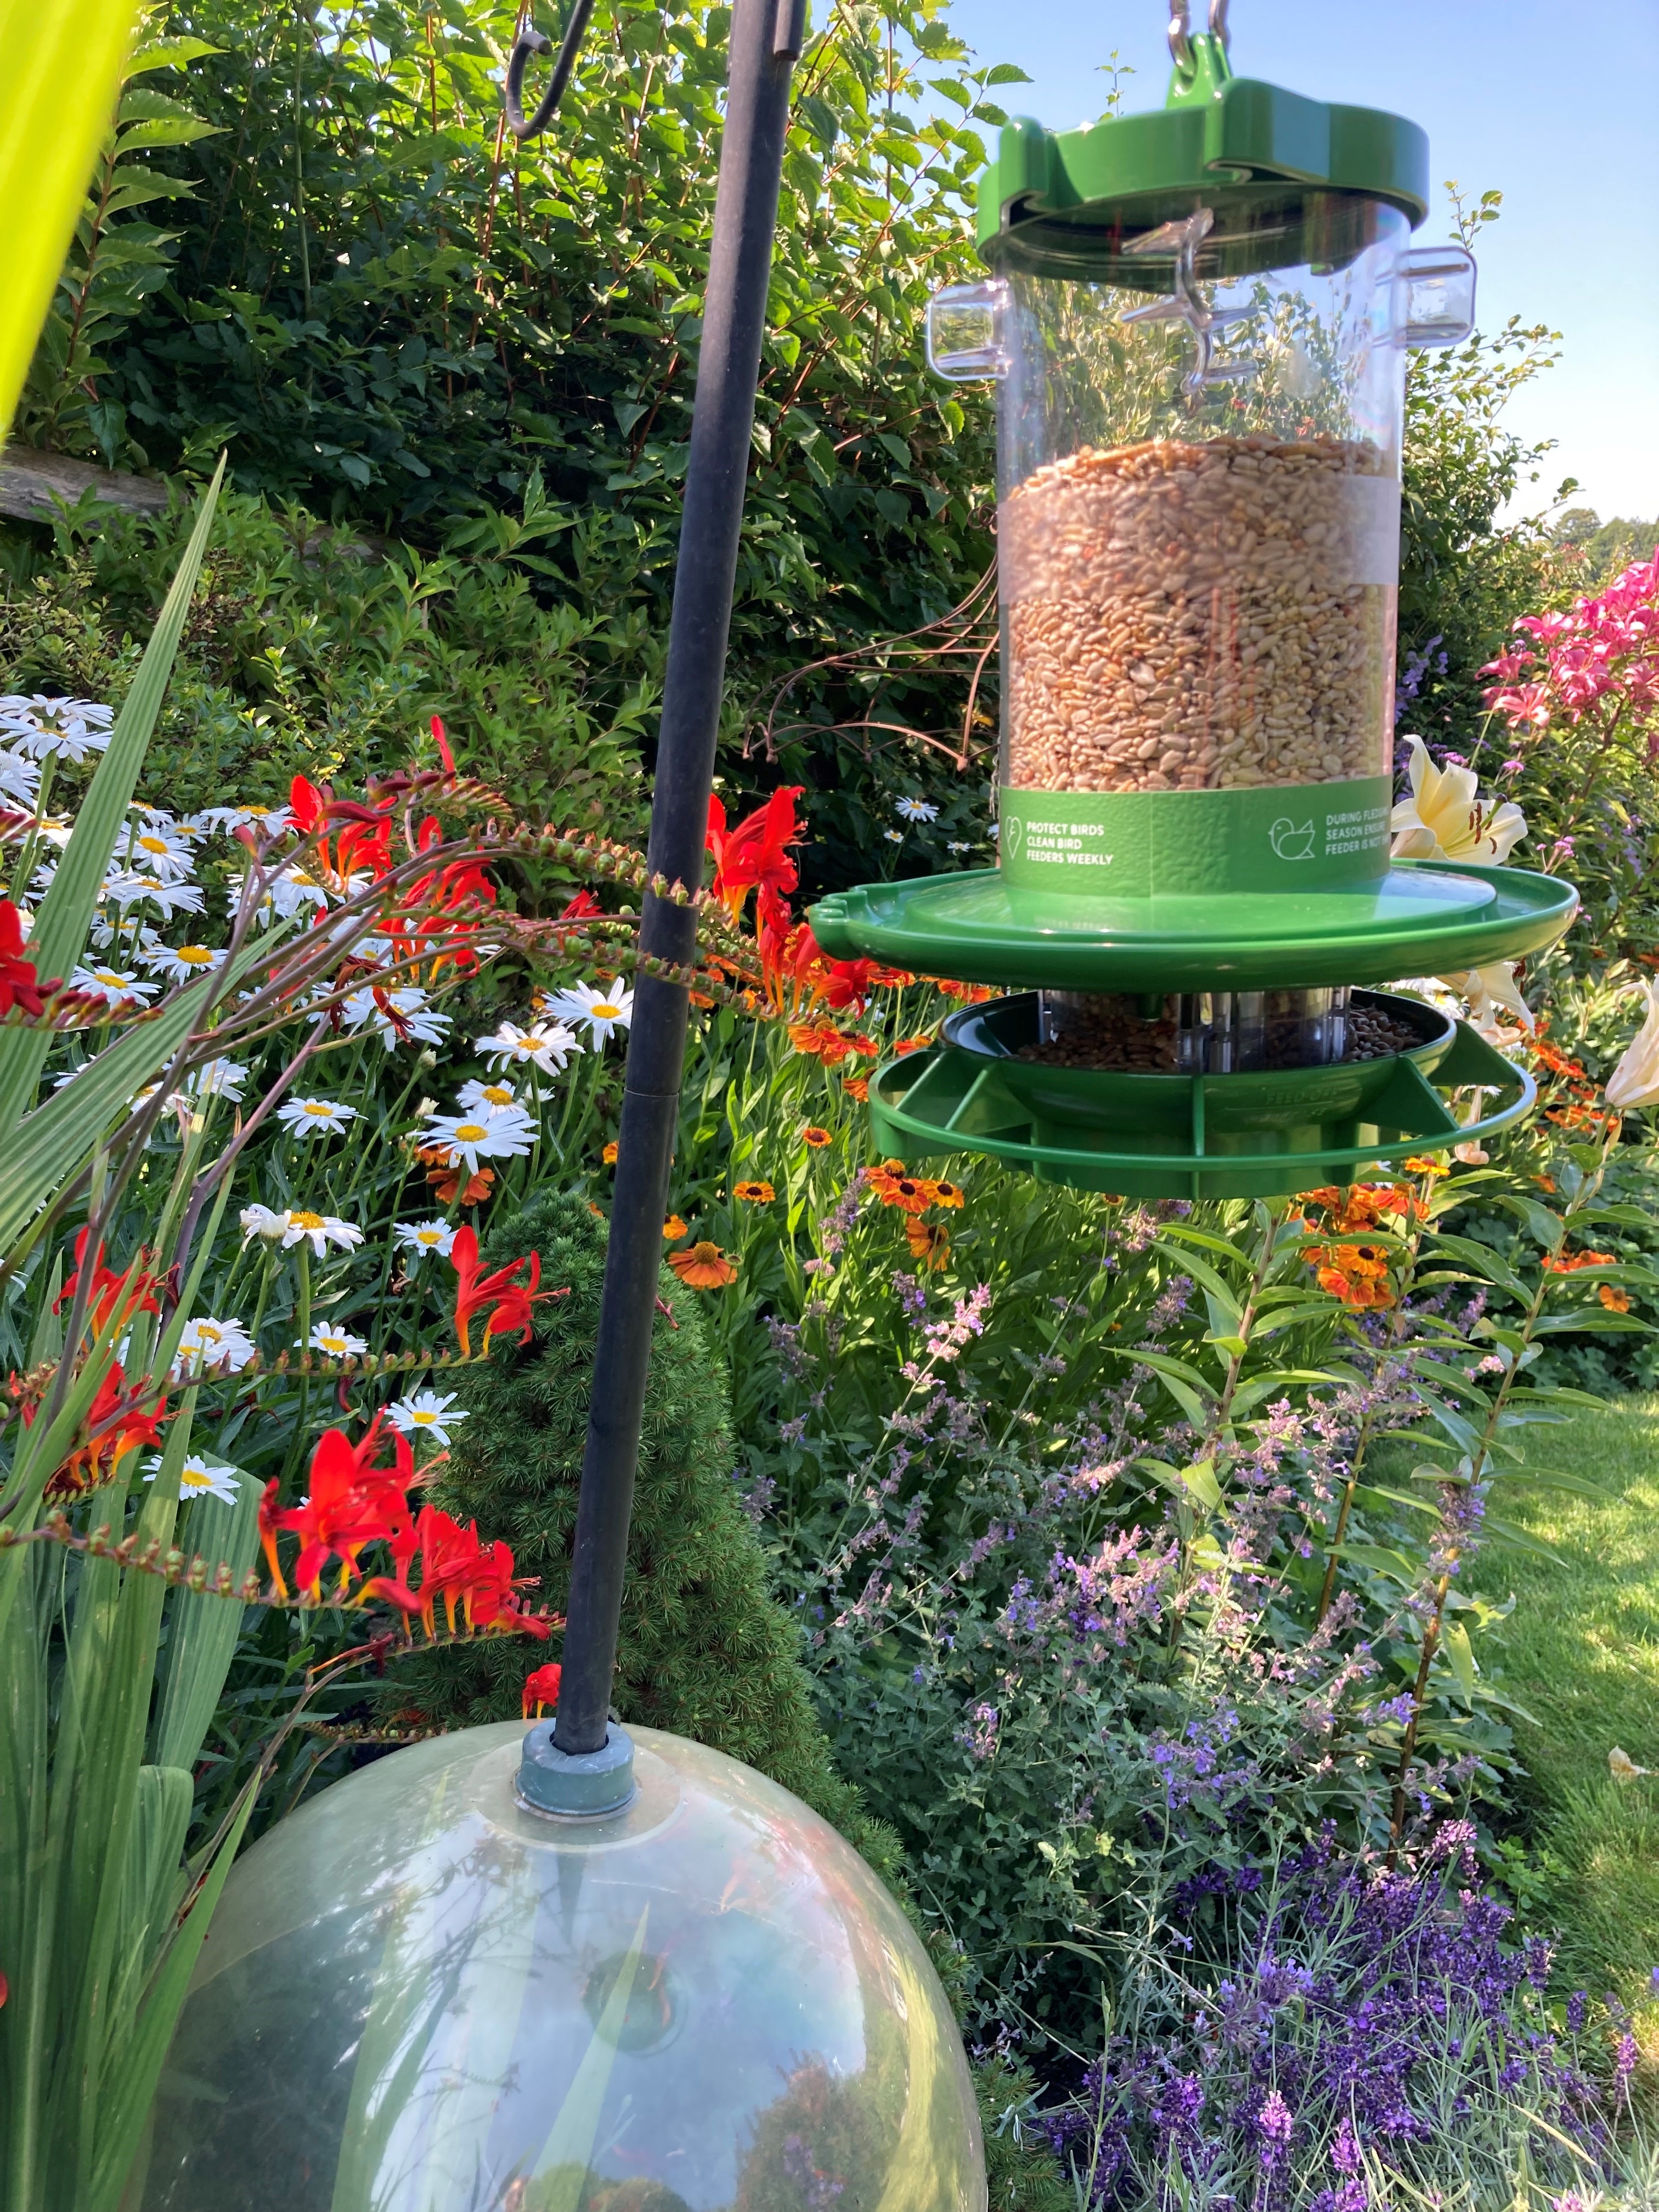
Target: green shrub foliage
705,1651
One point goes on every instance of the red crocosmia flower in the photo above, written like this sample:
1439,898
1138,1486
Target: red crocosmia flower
581,907
124,1294
848,983
352,1503
441,741
19,987
269,1524
541,1689
756,852
118,1422
512,1299
305,803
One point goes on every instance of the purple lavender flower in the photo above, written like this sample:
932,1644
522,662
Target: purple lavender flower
1275,2127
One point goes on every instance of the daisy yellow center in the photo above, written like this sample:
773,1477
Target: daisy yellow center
195,955
208,1334
154,845
533,1043
498,1094
469,1132
606,1014
429,1236
332,1340
195,1478
109,975
314,1108
422,1419
302,1221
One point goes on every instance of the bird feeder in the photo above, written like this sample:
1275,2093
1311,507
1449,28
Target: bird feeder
1196,321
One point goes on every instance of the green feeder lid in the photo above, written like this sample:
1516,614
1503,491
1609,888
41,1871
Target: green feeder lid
1287,179
1420,919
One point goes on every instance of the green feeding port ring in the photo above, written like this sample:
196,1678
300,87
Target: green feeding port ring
1259,1135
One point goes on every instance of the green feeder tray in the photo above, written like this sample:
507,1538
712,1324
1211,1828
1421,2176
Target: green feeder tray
1416,920
1254,1135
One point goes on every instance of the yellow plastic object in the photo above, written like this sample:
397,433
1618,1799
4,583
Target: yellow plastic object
60,68
419,1997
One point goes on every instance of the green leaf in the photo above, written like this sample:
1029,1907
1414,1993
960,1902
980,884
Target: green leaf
65,914
204,1628
1184,1385
1455,1641
1485,1262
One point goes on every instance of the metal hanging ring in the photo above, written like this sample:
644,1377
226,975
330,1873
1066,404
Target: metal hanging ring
530,42
1218,22
1181,45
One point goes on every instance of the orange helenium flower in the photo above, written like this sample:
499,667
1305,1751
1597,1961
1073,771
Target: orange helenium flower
704,1267
673,1229
757,1194
1570,1263
929,1242
1614,1299
816,1138
857,1086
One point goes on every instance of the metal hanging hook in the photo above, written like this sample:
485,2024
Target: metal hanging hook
530,42
1181,31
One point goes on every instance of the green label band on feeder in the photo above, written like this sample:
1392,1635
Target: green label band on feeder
1143,844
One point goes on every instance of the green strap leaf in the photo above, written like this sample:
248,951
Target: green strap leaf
59,936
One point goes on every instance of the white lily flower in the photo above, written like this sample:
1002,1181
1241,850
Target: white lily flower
426,1414
1487,990
1635,1081
1444,819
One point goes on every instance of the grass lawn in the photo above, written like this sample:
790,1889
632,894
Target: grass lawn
1581,1654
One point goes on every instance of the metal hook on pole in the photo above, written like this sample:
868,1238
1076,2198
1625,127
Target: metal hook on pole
1181,31
530,42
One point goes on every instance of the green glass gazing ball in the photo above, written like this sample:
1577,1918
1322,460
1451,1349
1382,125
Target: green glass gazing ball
418,1995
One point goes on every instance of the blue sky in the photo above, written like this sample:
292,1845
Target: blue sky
1554,105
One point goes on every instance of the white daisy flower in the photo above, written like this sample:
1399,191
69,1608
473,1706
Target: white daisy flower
219,1079
181,963
157,849
315,1117
43,727
894,836
995,831
425,1413
321,1228
200,1478
416,1019
260,1221
420,1238
20,779
337,1343
916,810
958,845
503,1133
548,1044
125,887
135,938
207,1344
601,1008
56,829
476,1097
113,985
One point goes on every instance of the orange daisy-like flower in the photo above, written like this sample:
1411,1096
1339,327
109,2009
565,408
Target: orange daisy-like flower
1614,1299
1568,1263
815,1137
893,1186
946,1194
1356,1273
450,1180
673,1229
609,1155
1418,1166
912,1044
704,1267
929,1242
757,1194
857,1086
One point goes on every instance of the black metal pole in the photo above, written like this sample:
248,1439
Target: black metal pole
766,36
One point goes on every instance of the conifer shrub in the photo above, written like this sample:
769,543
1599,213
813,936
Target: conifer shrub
705,1651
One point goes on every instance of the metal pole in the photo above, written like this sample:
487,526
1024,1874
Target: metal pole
766,36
